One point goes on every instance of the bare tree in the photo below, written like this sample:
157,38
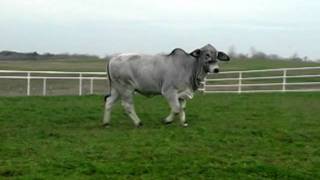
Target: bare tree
232,52
295,57
243,56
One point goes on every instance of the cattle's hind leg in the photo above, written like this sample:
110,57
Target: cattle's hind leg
108,106
127,103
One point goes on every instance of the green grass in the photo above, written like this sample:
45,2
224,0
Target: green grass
249,136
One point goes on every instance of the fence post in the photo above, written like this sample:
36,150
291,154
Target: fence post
284,80
240,83
80,84
91,86
44,90
204,84
28,84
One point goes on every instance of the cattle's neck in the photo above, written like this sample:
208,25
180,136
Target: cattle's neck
198,74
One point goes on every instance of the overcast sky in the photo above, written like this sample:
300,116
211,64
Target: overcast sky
111,26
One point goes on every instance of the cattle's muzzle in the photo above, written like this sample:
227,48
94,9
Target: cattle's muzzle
206,69
216,70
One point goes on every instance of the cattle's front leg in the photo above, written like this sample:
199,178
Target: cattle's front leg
182,114
170,117
172,98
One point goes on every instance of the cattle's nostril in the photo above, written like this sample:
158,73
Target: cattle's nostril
216,70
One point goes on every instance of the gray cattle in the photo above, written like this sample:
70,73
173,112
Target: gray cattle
175,76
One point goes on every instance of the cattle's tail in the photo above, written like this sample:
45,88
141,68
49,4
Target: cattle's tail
108,73
106,96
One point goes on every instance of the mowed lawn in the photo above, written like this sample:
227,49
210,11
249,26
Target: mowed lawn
231,136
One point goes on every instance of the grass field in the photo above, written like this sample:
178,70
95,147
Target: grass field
249,136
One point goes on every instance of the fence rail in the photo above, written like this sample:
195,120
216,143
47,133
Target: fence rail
304,79
53,75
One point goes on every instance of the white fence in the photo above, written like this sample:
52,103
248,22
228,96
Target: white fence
46,76
269,80
302,79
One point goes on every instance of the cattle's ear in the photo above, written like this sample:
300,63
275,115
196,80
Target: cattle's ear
223,56
196,53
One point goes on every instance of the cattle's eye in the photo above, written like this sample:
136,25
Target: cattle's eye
208,56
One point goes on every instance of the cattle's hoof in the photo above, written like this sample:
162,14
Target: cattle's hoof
139,125
166,122
185,125
106,125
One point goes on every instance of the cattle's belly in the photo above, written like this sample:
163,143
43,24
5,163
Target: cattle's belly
147,88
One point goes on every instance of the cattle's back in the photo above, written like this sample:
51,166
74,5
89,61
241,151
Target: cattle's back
148,73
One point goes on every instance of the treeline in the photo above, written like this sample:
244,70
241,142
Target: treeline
257,54
12,55
254,54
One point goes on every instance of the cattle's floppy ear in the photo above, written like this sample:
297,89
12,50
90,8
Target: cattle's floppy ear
196,53
223,56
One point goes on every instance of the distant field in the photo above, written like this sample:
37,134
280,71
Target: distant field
253,64
100,65
249,136
55,65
